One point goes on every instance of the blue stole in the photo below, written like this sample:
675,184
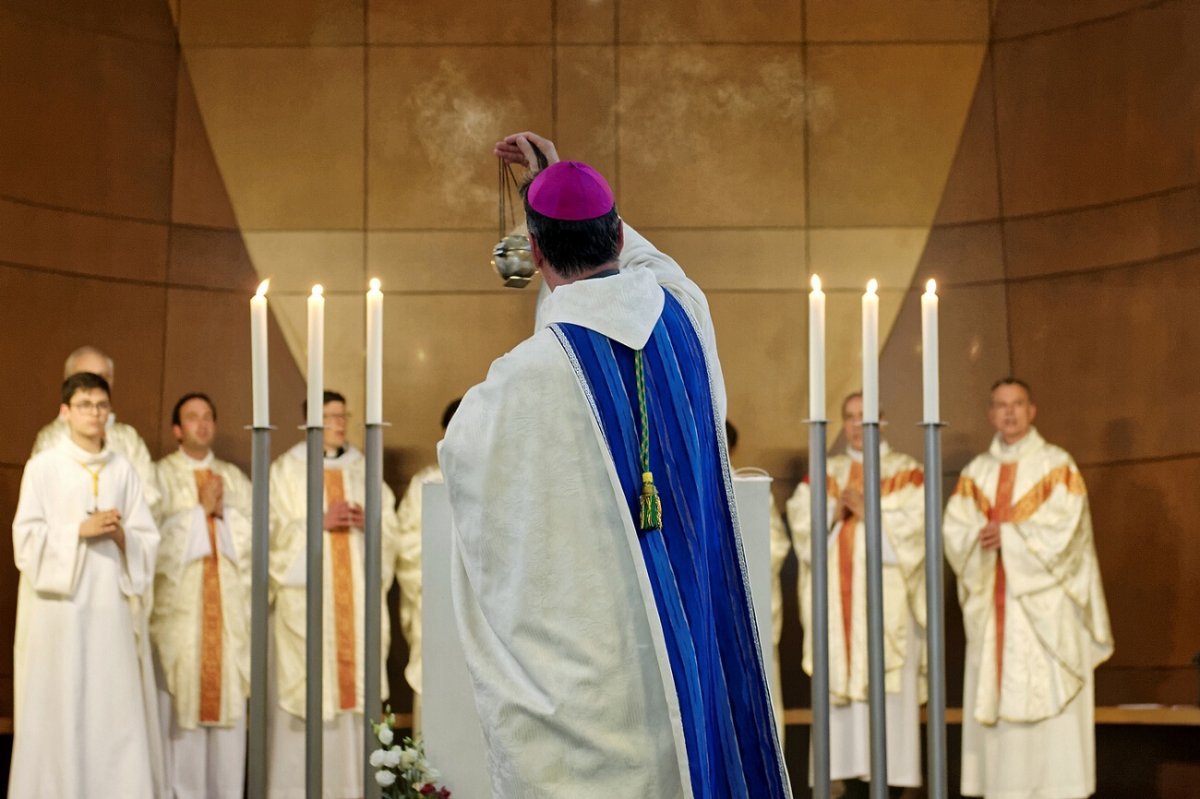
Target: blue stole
695,561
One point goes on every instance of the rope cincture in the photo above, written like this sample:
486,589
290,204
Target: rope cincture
649,503
95,475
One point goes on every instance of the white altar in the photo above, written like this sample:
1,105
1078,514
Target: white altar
450,724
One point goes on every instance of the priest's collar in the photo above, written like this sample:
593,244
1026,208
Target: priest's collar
78,453
857,455
624,307
197,463
1010,453
344,457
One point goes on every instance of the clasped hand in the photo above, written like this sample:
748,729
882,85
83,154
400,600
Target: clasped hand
341,515
850,502
989,536
104,524
212,496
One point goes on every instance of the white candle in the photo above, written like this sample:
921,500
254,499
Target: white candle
816,352
929,351
258,356
316,357
870,331
374,354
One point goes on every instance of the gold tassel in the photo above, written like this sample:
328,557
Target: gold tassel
650,517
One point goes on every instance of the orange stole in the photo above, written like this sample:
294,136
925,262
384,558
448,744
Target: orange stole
846,558
343,595
211,620
911,477
1001,511
1034,498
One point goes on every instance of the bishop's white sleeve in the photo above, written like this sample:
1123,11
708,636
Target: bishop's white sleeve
638,252
547,595
48,554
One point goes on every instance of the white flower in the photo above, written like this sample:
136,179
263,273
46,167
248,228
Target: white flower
431,774
378,758
407,758
392,757
385,778
385,735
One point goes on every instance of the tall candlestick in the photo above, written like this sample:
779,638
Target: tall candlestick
870,331
316,357
816,352
374,354
258,356
929,351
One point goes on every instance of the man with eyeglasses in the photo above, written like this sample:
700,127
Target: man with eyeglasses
342,710
85,544
200,623
119,437
902,504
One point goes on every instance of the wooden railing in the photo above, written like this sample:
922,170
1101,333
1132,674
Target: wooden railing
1177,716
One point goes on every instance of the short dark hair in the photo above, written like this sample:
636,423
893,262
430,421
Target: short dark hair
188,397
83,381
574,246
1009,380
731,435
448,414
328,397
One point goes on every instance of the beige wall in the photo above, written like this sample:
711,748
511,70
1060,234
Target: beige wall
116,231
1039,159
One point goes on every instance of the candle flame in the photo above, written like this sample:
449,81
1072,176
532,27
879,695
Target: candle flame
262,288
318,290
816,283
374,284
872,286
931,286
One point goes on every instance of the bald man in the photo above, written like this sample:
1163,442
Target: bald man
118,437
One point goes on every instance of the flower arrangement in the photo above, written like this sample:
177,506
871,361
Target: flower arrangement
401,769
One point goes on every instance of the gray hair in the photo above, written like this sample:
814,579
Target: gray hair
69,367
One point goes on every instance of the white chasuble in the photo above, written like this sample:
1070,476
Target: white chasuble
204,667
1036,622
902,504
342,627
200,625
555,609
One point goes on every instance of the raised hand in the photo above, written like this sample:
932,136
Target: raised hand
518,148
